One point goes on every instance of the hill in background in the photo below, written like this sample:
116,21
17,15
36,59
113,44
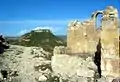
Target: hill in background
39,38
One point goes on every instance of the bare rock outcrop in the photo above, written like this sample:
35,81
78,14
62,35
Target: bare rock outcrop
74,66
25,64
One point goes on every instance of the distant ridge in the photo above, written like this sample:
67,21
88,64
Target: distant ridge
64,37
41,38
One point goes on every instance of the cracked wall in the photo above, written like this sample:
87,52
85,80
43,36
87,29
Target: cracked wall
110,64
82,37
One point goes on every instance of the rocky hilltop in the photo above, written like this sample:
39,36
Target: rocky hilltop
25,64
32,64
39,38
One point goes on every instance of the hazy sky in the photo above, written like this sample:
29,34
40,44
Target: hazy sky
20,16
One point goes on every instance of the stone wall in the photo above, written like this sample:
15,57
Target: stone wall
74,68
82,39
110,43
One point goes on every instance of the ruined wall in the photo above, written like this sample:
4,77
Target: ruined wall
110,42
82,37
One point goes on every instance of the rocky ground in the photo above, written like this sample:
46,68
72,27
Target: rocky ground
33,64
25,64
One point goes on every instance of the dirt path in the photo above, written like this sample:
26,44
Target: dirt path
26,65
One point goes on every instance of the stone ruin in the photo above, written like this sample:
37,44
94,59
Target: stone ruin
83,37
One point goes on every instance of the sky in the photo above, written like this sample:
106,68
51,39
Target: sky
20,16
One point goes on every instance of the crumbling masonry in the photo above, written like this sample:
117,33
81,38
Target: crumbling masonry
82,38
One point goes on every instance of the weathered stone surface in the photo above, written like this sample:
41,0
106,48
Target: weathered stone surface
116,80
1,77
110,67
110,43
102,79
73,65
23,69
59,50
82,39
42,78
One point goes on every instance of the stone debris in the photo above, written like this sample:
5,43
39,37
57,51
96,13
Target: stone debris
116,80
74,66
42,78
102,79
19,62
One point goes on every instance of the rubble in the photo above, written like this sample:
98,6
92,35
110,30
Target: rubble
20,63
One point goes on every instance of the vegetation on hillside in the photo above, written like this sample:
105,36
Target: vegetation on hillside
45,39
